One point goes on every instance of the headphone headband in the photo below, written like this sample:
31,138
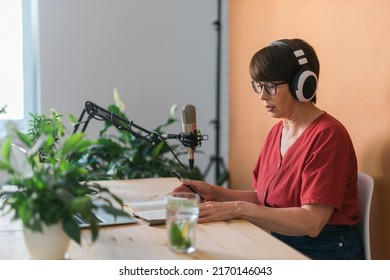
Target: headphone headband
304,84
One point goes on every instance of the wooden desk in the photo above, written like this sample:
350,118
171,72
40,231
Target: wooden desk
236,239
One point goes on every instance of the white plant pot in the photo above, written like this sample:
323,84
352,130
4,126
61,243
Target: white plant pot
50,244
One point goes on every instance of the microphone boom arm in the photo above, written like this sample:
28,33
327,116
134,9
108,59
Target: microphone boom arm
98,113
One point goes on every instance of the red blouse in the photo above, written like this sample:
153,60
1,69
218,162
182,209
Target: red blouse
319,168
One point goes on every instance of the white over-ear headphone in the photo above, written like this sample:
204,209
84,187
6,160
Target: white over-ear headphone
304,84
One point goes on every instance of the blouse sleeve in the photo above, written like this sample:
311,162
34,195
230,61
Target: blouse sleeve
328,169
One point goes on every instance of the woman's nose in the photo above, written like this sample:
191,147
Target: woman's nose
263,95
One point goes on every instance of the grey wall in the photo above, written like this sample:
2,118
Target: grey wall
155,52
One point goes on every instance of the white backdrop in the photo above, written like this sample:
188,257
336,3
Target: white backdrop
155,52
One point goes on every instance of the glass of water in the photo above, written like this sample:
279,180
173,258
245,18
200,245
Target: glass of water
182,217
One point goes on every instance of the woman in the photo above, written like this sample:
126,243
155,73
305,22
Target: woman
305,180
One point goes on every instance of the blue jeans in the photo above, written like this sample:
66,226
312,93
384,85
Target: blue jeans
333,243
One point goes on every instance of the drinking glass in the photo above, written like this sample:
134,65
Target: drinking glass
182,217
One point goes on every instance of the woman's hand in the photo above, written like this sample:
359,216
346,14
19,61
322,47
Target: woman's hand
212,211
203,189
220,203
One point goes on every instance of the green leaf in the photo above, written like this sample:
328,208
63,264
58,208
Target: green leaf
24,212
76,146
25,139
173,110
6,149
156,151
72,229
72,119
177,239
115,211
41,141
118,101
94,231
81,204
3,110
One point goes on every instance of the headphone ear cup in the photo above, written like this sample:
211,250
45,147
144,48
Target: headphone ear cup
304,84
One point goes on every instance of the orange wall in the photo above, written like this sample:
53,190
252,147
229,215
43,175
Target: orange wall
352,41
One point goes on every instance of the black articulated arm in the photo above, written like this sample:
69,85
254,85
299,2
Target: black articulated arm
96,112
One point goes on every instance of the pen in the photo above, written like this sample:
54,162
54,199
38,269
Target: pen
188,186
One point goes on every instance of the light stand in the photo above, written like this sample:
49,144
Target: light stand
220,177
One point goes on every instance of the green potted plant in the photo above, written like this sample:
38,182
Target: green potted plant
56,190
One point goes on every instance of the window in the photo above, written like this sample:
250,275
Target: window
19,61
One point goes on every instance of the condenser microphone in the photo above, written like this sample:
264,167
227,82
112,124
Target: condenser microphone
188,118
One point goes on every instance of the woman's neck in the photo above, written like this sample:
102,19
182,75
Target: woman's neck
300,119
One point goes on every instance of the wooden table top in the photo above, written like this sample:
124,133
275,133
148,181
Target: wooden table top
227,240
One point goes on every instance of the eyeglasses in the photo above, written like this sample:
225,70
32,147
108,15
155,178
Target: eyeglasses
270,88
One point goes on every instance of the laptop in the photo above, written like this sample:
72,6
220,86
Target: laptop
106,219
19,159
18,155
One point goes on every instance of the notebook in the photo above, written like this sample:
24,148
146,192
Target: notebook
151,212
106,219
